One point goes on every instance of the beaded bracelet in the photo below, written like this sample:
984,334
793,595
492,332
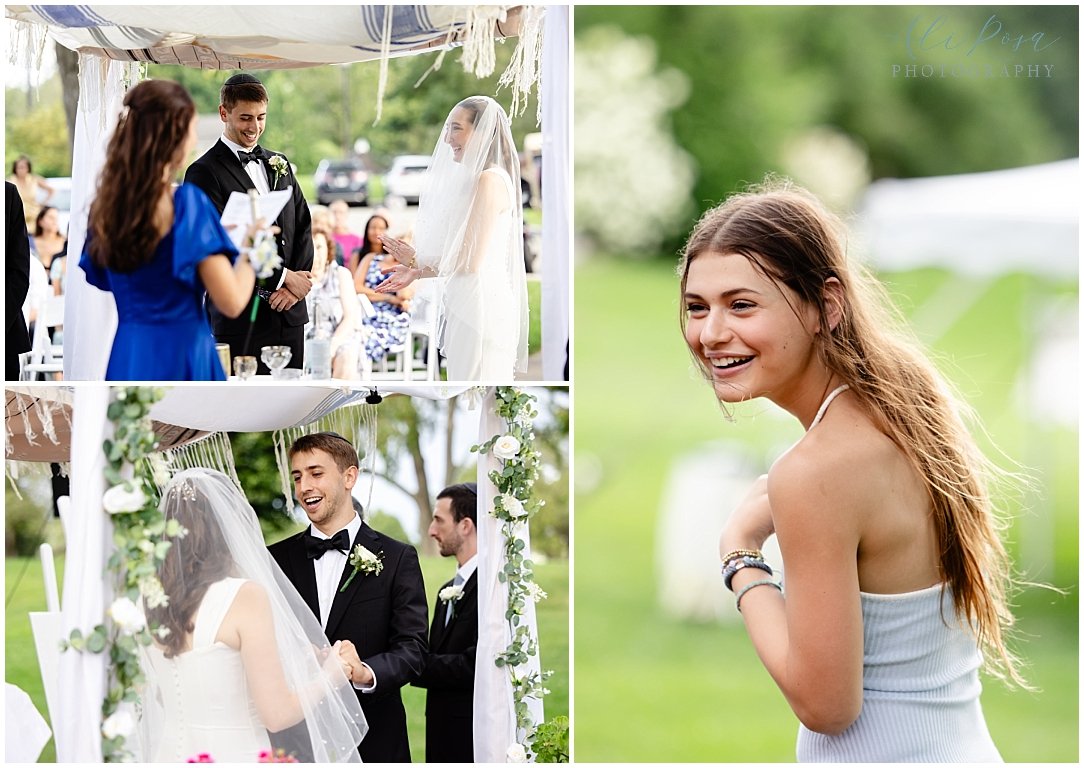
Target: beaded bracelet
736,553
747,587
743,562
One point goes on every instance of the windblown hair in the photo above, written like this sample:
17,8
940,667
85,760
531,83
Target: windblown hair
464,497
793,240
341,450
143,156
194,562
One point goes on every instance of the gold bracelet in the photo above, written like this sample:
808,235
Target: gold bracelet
413,261
735,554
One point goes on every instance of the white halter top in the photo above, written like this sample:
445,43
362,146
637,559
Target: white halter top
828,401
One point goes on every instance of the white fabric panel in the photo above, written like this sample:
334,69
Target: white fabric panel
86,593
557,220
90,314
22,718
494,715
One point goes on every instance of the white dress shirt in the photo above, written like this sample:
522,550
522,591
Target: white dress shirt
329,570
256,172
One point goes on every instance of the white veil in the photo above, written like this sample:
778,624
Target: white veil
224,539
461,231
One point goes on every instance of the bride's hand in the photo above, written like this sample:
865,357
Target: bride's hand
400,251
399,277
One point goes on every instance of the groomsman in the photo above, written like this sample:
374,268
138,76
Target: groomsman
236,163
453,636
377,609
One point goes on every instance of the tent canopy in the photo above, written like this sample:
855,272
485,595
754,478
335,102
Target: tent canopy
262,37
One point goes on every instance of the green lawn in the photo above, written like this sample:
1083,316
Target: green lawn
653,688
22,665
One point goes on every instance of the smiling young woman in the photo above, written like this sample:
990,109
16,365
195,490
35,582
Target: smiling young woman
895,576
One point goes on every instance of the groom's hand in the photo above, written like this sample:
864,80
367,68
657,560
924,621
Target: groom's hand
360,674
297,283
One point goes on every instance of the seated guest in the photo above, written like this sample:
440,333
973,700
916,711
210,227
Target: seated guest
348,241
339,312
389,326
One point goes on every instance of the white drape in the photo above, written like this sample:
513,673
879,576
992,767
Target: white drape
91,314
77,729
556,222
494,715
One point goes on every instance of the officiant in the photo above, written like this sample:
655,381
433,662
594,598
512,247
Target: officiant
237,163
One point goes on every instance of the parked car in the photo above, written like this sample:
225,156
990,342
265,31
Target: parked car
342,180
406,179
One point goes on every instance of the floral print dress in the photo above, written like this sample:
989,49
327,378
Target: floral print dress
391,322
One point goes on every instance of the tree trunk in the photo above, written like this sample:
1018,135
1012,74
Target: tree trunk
67,62
425,508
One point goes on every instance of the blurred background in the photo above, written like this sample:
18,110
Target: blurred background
948,139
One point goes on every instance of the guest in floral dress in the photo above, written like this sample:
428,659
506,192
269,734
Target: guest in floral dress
391,322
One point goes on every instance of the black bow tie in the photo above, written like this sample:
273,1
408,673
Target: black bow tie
247,157
315,547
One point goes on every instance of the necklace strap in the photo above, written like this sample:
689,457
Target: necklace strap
828,401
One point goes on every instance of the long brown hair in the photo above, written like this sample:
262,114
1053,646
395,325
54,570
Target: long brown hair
146,145
194,562
795,241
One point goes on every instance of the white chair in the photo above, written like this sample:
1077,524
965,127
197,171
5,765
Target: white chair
423,327
44,357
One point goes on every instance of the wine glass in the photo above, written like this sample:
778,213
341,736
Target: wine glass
244,366
276,358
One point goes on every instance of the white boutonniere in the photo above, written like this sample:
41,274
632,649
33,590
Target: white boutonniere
364,561
279,165
451,593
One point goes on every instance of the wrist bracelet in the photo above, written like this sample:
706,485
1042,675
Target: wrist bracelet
745,561
747,587
734,554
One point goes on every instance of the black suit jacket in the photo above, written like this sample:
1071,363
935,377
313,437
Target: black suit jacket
449,676
219,173
17,278
384,616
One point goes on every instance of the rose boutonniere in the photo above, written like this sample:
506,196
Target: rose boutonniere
364,561
279,165
451,593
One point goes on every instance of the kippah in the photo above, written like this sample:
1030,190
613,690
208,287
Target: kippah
243,79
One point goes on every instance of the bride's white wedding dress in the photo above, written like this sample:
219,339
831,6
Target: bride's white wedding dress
203,693
480,309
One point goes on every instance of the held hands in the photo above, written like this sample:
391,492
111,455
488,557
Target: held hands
750,524
358,673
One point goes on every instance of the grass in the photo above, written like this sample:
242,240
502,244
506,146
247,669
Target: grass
21,664
654,688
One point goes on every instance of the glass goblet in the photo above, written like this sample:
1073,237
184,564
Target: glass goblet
276,358
244,366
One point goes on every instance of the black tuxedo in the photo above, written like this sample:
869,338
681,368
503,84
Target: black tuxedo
17,282
449,676
219,173
384,616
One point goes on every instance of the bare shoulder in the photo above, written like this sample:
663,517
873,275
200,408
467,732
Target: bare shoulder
251,597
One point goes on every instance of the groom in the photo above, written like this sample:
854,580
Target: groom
236,163
381,613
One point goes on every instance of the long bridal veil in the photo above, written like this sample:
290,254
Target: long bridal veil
224,540
471,233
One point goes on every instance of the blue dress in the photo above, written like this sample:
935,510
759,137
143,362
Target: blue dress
162,330
390,323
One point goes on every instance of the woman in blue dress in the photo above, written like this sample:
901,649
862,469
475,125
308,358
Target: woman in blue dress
389,326
159,250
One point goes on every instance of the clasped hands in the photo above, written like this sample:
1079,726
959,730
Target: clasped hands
346,654
294,288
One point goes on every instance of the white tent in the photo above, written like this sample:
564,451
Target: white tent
54,423
113,40
1024,219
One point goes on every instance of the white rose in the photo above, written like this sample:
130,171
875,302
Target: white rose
513,506
450,593
127,616
120,499
516,754
506,447
118,724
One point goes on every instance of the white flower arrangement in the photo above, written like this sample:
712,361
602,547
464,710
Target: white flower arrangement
123,498
516,753
127,616
280,166
264,255
363,561
153,593
535,592
513,506
120,723
451,593
506,448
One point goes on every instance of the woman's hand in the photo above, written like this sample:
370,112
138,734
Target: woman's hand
750,524
399,277
400,251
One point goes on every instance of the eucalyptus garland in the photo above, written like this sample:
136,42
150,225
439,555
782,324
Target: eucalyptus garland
141,539
513,506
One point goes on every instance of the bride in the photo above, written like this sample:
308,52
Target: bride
469,233
244,667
